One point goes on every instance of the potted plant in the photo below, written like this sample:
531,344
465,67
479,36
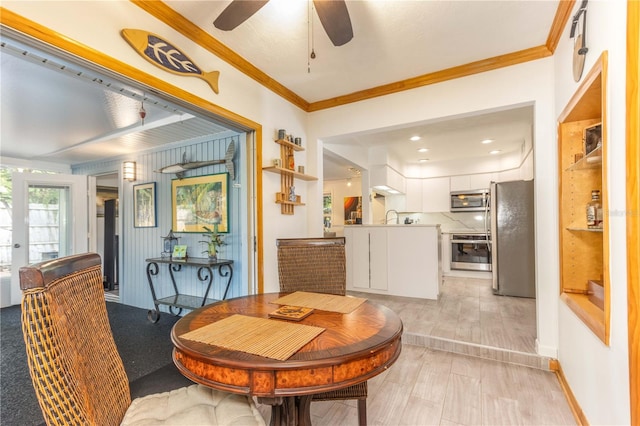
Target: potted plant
213,242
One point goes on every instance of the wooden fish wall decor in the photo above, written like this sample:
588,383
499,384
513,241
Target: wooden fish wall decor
164,55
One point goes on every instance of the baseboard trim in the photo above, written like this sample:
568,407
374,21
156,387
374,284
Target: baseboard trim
578,414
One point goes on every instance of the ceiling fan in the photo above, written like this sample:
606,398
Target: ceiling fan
333,15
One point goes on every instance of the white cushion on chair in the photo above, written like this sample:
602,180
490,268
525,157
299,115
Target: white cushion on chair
193,405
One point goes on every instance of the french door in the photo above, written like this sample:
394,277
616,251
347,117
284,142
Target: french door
50,219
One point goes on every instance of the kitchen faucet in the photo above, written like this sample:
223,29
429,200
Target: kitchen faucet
386,216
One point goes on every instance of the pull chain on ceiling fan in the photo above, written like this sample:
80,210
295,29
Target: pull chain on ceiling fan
311,52
333,15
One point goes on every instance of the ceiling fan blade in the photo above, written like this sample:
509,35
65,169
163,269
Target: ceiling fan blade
237,12
335,19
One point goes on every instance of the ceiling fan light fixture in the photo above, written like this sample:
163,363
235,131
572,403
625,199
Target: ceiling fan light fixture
333,14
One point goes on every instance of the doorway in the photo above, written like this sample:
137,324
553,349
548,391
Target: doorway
108,232
248,191
49,220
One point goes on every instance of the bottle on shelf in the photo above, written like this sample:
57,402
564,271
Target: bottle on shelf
594,211
292,163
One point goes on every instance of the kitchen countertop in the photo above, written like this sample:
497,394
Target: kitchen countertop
464,231
392,225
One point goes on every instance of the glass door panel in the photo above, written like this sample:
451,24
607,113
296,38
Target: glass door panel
48,231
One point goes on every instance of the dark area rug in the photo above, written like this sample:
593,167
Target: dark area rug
145,349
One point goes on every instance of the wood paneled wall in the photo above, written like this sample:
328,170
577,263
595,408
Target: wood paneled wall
139,244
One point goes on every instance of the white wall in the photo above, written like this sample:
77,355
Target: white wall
524,84
599,375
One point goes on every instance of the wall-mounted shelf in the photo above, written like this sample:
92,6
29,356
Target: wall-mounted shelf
288,174
584,251
592,161
296,175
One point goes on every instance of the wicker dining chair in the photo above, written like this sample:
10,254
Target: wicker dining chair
75,368
319,265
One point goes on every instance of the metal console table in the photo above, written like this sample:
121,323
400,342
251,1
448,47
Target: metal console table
205,274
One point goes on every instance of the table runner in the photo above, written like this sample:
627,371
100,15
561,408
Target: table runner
322,301
258,336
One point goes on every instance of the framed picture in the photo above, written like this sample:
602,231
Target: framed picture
144,205
592,138
200,201
351,210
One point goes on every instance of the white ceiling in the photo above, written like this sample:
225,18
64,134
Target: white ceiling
393,40
55,111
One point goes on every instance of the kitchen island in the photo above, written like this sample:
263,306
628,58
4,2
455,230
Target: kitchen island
398,260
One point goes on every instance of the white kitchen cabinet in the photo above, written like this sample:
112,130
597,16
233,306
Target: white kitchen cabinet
366,251
435,195
460,183
378,264
481,180
414,195
415,263
472,182
508,175
399,260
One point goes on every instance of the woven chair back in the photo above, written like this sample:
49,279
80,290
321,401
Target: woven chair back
312,264
75,367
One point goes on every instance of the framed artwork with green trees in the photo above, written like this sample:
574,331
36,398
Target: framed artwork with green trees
200,201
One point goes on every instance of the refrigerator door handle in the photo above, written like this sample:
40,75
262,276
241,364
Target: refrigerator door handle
494,235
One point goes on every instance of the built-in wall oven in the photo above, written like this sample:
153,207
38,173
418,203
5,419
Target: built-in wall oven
470,252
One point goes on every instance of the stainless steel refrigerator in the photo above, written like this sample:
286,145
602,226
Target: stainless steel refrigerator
512,238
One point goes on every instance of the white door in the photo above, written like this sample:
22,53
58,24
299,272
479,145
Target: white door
49,220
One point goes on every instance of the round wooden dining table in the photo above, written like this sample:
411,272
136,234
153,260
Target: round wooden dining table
353,347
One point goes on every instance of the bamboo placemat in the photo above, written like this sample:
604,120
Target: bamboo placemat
324,302
257,336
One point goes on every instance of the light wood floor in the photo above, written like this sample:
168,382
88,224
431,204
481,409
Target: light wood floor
430,387
468,311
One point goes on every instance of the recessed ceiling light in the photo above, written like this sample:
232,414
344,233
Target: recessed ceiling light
495,151
423,150
486,141
414,138
423,160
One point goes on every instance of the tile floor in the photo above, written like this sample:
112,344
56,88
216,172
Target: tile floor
467,311
439,387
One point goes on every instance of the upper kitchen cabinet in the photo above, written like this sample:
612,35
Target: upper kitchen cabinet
414,197
435,195
387,180
430,195
584,232
472,182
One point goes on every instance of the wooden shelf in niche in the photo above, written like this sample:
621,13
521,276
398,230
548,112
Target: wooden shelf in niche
584,252
287,176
